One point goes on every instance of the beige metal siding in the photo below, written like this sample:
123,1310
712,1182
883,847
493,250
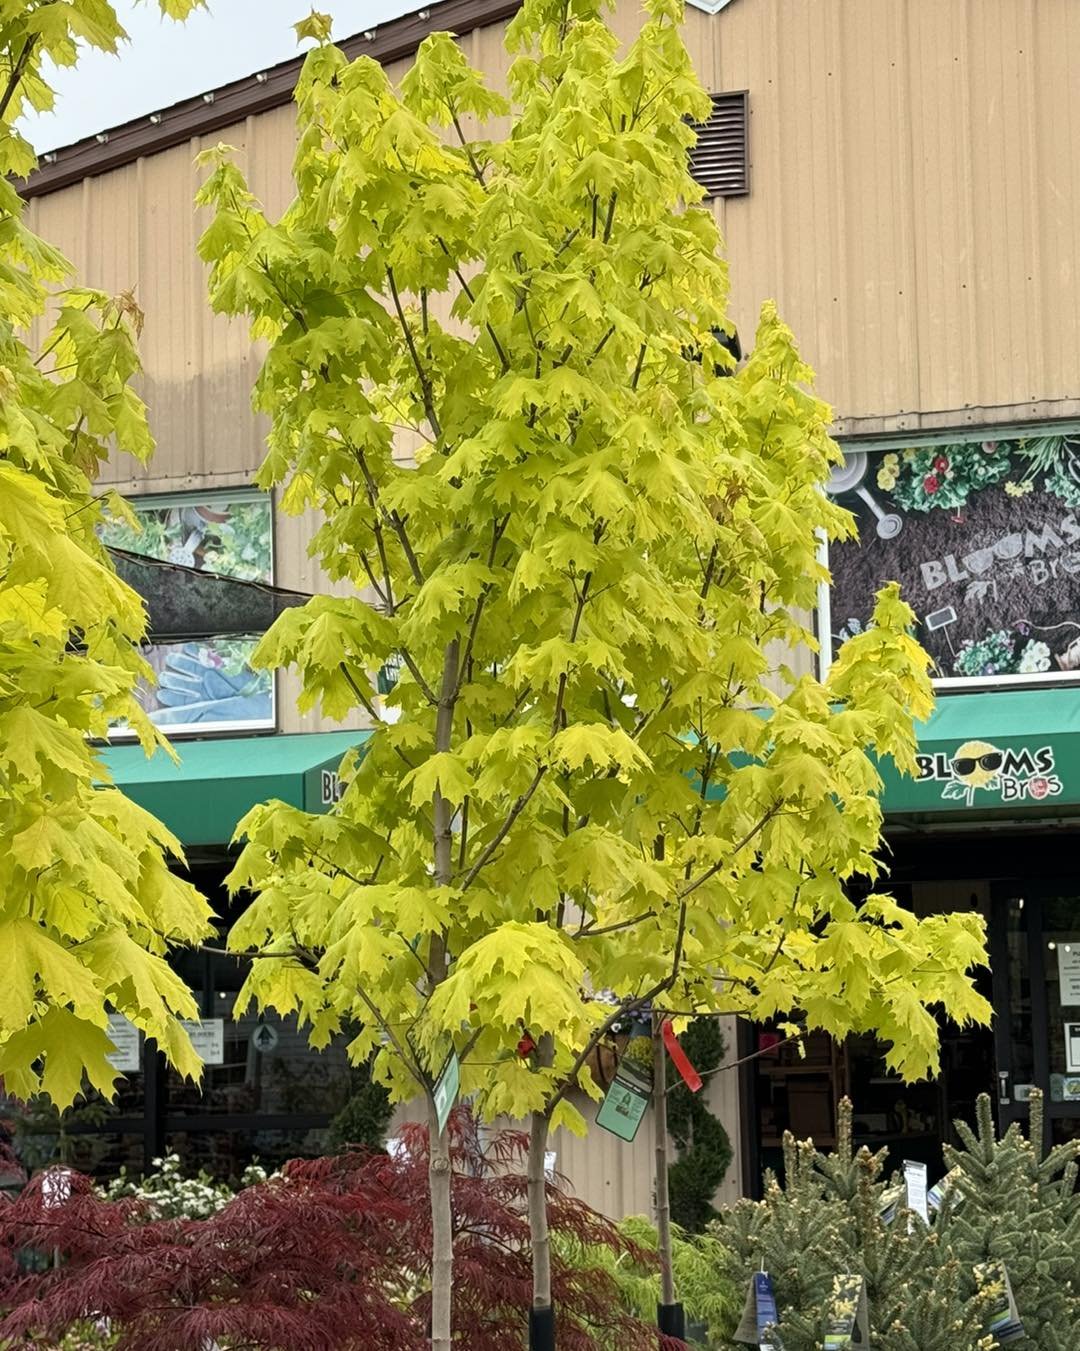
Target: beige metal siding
914,192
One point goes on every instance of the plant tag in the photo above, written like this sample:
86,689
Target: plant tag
624,1103
56,1186
1003,1320
915,1183
759,1314
680,1059
848,1323
446,1088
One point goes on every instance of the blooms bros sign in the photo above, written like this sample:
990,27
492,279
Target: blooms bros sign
984,537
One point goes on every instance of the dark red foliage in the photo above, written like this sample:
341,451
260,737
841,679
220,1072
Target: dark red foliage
330,1256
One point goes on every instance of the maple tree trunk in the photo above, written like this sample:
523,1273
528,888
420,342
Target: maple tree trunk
669,1313
442,1234
542,1314
439,1169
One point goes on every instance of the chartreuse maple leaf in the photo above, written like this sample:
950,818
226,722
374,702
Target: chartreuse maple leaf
88,906
492,367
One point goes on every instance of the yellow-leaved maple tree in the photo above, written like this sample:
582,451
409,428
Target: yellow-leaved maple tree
88,905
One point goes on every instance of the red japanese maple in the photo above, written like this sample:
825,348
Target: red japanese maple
331,1255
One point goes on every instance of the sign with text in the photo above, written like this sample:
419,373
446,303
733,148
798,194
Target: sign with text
625,1103
916,1188
1072,1048
208,1038
984,538
1068,963
124,1035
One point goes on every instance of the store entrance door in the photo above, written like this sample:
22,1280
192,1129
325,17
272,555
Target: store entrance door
1035,955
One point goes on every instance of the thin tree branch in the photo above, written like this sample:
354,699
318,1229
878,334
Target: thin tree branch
17,72
426,391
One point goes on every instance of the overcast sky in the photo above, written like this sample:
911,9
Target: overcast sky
166,61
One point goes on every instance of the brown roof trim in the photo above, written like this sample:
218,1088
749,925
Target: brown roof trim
256,93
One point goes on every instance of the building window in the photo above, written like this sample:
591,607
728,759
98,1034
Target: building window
720,161
204,682
982,530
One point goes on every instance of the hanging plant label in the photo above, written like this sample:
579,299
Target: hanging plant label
446,1088
1003,1321
759,1314
625,1103
849,1316
679,1058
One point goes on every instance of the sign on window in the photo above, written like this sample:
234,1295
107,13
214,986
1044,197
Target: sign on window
205,685
984,538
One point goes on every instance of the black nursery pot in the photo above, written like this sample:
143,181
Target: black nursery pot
542,1329
671,1319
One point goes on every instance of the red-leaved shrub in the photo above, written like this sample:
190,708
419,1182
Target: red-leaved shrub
331,1255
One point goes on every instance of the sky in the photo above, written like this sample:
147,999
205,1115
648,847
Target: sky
165,61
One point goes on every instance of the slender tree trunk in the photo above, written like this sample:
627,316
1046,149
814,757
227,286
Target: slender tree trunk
669,1314
442,1235
542,1314
439,1170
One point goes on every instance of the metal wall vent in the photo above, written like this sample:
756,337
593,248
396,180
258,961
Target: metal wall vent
721,159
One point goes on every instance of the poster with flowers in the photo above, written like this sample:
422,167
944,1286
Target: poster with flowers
983,536
205,686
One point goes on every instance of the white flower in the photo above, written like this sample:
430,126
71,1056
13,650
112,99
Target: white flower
1034,658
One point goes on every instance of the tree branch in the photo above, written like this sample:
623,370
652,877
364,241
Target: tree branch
18,70
426,391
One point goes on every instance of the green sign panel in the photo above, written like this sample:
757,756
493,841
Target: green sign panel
1002,753
625,1103
446,1089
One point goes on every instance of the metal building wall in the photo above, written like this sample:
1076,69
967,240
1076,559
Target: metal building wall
914,192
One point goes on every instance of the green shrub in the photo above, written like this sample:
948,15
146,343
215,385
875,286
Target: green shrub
701,1280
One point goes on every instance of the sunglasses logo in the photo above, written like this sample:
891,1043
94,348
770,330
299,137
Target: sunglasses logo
964,765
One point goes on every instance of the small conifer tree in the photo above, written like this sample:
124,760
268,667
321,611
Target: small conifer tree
1010,1202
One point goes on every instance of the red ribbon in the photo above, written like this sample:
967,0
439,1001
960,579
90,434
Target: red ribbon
679,1058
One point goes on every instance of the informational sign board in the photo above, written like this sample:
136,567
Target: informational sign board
983,536
1072,1048
208,1038
124,1035
1068,962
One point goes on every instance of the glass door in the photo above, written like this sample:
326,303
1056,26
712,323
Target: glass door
1035,954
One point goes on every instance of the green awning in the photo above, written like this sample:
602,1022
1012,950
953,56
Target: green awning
219,780
999,754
